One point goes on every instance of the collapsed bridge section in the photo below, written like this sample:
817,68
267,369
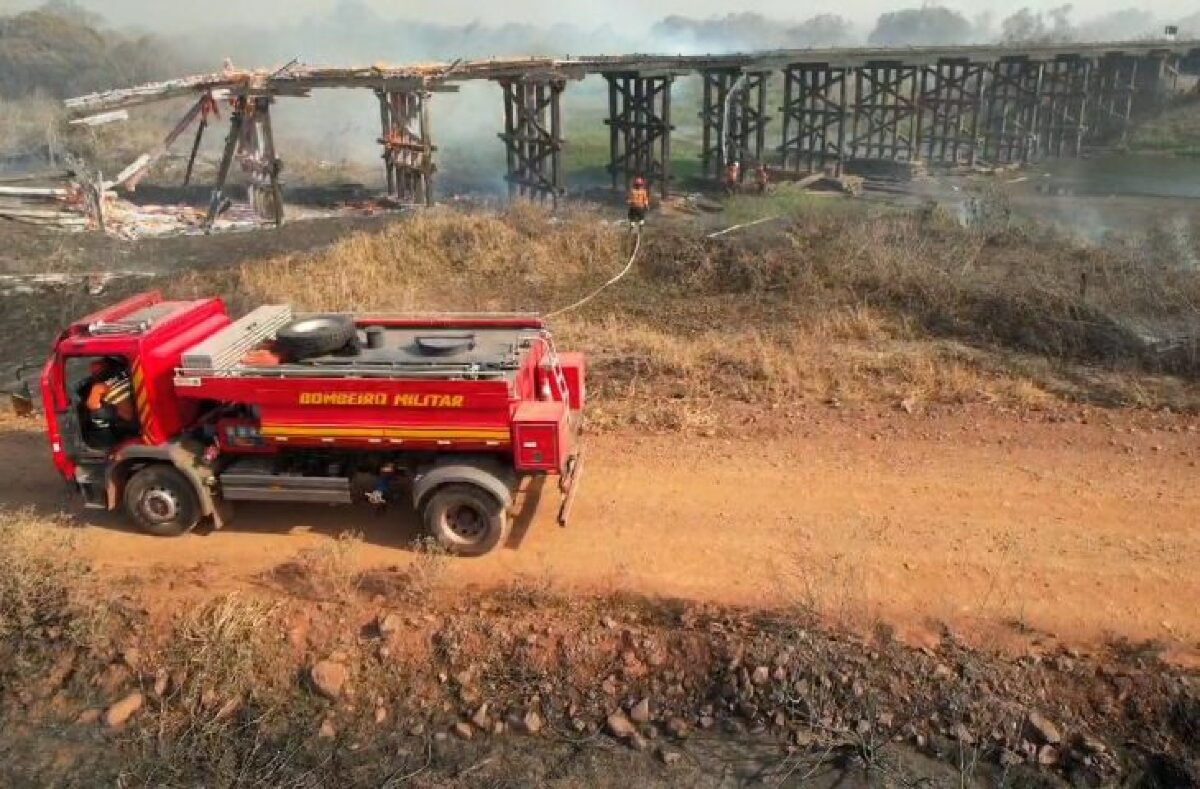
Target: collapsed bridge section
838,108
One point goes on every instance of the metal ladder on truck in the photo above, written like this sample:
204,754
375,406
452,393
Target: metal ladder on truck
568,481
560,379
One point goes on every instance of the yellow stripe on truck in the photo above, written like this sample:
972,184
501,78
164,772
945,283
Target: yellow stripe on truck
431,433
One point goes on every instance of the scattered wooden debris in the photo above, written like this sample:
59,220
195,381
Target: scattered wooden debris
116,116
56,206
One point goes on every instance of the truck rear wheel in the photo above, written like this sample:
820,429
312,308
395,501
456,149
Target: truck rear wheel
465,519
161,500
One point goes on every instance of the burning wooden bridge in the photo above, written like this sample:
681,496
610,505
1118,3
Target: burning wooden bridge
947,105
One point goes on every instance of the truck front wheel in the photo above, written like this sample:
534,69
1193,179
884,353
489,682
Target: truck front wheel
161,500
465,519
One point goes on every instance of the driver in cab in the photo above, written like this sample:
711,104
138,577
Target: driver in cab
109,400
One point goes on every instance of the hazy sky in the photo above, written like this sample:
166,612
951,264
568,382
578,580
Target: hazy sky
638,14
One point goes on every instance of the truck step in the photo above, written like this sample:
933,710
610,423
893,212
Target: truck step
244,486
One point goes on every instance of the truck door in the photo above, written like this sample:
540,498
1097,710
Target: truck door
86,436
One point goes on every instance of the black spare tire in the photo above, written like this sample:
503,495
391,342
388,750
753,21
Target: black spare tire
315,335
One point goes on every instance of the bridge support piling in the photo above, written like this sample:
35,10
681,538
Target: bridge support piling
261,162
251,142
884,111
1065,82
1114,81
407,144
733,118
532,137
1013,105
1150,94
639,123
949,100
814,117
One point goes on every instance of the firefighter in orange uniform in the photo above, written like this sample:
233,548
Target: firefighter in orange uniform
762,178
109,400
733,177
639,202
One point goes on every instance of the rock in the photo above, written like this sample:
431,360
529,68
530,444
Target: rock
640,713
677,728
1092,744
620,726
416,730
1047,755
706,722
464,730
609,685
1045,730
112,679
761,675
88,717
329,678
668,756
162,681
638,742
389,624
132,657
327,730
116,716
481,718
942,671
381,715
531,722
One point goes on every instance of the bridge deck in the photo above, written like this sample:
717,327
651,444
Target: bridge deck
300,80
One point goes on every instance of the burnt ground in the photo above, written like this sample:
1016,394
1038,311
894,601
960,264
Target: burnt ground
440,679
394,678
30,250
31,314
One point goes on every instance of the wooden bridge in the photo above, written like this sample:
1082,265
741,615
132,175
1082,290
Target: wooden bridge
946,105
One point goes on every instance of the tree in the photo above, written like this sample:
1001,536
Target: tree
929,25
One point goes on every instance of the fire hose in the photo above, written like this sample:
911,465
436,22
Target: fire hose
637,246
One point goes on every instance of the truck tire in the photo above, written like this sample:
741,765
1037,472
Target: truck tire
465,519
315,336
162,501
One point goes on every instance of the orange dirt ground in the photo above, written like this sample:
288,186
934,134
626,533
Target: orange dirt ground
1008,530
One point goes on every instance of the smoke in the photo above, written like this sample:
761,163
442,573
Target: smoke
928,25
747,31
1055,25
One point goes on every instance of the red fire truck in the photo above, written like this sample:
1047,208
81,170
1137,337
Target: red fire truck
453,413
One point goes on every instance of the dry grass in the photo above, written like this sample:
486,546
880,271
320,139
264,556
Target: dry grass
329,571
29,124
41,577
845,306
443,260
229,681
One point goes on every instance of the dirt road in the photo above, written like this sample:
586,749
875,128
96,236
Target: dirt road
997,527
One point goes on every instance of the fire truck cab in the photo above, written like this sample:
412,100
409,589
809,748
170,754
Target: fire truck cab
451,413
